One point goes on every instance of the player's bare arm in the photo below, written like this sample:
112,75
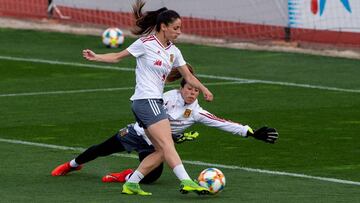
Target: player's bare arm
189,77
108,58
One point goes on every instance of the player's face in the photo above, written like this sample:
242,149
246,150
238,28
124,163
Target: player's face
189,93
173,30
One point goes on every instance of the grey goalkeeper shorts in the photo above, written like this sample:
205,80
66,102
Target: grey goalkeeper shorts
148,111
131,141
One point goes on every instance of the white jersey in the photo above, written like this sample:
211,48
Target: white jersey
182,116
153,64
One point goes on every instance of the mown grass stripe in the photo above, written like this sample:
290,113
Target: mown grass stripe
198,163
200,75
99,90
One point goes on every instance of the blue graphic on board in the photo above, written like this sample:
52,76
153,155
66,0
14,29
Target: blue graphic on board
294,12
345,3
316,7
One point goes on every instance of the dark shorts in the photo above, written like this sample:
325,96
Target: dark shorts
148,111
131,141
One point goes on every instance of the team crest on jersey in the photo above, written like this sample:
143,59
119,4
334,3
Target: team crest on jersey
172,58
187,113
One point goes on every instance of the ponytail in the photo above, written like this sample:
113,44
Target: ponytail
150,20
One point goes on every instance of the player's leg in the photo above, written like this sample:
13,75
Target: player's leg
110,146
132,184
125,174
154,174
152,116
161,137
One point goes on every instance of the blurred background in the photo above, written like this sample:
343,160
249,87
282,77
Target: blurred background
319,24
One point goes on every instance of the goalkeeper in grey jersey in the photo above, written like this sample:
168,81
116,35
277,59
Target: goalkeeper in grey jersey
183,111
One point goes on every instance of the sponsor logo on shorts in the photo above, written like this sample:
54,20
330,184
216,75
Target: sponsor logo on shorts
123,132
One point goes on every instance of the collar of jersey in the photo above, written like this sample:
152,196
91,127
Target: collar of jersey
158,41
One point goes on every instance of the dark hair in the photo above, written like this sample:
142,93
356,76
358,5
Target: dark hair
175,74
183,81
150,20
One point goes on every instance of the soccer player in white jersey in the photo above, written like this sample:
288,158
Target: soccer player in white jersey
183,111
155,56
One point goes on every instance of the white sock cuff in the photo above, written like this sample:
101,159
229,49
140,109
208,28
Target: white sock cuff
136,177
127,177
181,173
73,163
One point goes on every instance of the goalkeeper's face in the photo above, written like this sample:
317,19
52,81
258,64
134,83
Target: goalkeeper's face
189,93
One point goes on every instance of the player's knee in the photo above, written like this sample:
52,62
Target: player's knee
165,142
163,147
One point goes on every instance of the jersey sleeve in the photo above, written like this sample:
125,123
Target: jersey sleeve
208,119
137,48
169,95
179,59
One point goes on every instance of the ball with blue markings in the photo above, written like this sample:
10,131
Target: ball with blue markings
213,179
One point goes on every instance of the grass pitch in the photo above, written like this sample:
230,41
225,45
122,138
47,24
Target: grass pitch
47,97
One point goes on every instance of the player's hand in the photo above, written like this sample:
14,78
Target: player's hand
189,136
89,55
266,134
208,96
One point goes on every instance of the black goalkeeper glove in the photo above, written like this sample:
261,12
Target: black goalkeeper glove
189,136
266,134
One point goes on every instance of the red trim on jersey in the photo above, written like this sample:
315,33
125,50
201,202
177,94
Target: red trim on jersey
148,39
168,47
213,117
153,37
161,44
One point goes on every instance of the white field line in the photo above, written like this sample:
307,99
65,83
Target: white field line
99,90
282,83
200,75
198,163
65,92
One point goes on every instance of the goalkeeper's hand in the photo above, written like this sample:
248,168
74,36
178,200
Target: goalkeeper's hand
266,134
189,136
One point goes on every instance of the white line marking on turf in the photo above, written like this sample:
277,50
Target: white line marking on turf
65,92
198,163
34,60
200,75
282,83
100,90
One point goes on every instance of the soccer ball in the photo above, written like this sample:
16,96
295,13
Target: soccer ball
112,37
213,179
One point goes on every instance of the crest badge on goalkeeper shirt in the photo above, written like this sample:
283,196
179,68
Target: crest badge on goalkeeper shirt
213,179
187,113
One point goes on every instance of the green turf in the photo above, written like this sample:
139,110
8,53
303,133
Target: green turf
318,128
86,185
